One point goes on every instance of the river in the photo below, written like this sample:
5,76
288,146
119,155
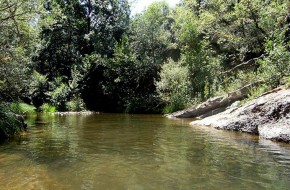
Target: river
139,152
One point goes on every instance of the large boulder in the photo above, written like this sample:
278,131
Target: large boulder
267,116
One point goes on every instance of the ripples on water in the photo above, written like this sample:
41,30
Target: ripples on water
111,151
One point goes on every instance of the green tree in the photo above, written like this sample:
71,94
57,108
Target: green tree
275,67
237,30
223,41
71,32
174,86
126,79
151,33
18,39
197,54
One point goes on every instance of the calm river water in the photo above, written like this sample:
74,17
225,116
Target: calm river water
115,151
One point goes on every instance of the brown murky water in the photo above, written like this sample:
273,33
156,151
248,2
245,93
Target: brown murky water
114,151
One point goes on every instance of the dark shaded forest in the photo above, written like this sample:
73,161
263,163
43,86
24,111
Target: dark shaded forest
60,55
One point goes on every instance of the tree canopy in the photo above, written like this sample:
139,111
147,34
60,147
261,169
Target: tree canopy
88,54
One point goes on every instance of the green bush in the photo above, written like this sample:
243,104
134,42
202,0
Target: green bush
275,67
174,86
60,94
10,124
22,108
255,92
76,104
287,82
46,108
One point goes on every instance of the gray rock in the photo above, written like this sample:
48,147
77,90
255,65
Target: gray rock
267,116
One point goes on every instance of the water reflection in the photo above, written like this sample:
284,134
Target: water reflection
139,152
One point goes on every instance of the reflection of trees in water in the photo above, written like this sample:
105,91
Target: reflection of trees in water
92,151
54,140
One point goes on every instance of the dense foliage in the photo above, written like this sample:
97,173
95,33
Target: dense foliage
18,42
89,54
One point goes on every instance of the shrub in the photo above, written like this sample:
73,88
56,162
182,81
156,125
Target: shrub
46,108
10,124
76,104
60,94
275,67
22,108
174,86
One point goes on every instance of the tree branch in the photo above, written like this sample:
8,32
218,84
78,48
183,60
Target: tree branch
249,62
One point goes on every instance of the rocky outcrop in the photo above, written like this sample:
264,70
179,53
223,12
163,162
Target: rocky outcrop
267,116
214,105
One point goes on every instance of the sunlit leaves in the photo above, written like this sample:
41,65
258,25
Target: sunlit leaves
174,86
18,38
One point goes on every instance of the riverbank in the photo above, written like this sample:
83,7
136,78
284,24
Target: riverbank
267,116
